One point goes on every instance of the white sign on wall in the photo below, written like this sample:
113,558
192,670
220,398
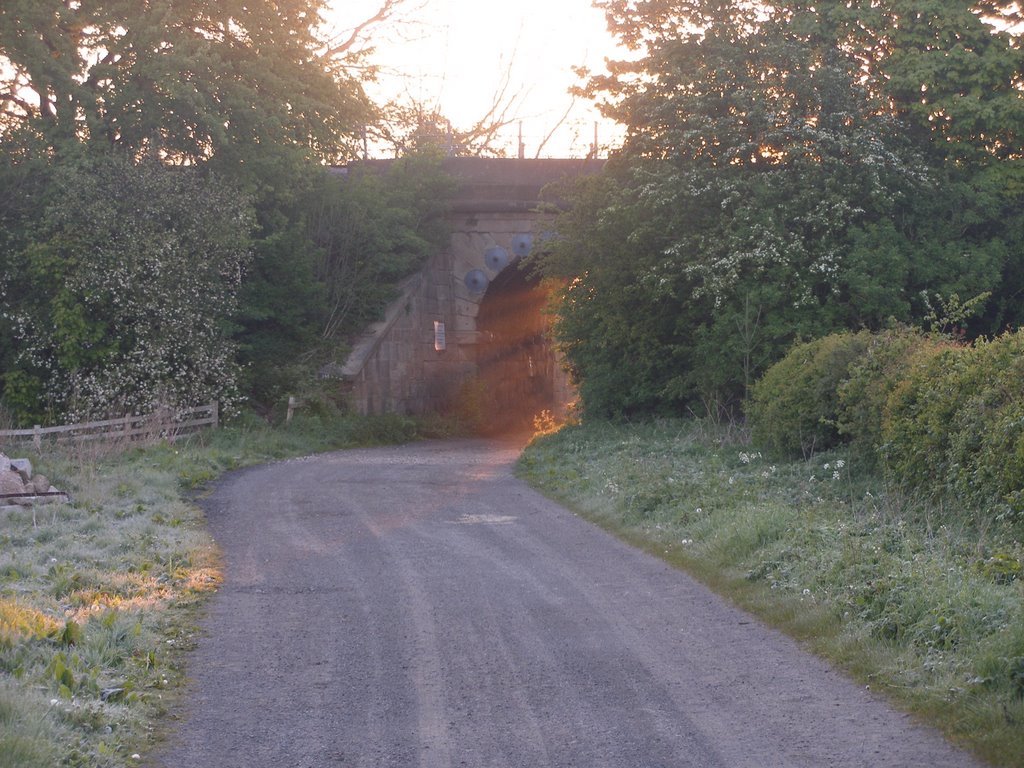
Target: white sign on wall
439,343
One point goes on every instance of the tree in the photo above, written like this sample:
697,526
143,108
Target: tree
183,81
257,96
24,178
621,343
765,192
372,230
951,69
122,299
410,129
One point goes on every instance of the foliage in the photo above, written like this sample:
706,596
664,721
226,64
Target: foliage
372,230
942,418
767,191
184,81
998,192
951,69
954,427
986,452
281,305
248,96
23,180
914,600
863,395
919,413
792,410
618,346
122,296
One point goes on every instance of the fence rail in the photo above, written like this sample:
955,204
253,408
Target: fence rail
127,427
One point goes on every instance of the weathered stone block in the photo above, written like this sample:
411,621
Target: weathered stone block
11,481
463,324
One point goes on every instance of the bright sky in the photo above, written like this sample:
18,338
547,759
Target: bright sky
456,55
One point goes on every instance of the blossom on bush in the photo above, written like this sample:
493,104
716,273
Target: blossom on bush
137,269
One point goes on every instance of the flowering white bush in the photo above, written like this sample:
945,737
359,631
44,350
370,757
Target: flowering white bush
138,269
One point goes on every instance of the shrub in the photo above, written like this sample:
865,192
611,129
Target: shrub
793,408
128,293
919,414
870,381
986,447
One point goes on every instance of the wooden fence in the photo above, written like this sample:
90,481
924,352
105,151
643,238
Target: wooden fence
153,425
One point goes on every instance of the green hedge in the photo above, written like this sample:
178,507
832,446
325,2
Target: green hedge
871,380
944,420
918,418
955,429
792,410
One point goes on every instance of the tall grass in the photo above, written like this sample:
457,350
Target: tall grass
99,596
923,602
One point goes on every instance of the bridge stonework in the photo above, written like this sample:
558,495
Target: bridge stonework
396,365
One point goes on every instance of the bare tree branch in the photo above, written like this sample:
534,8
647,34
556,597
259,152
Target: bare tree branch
558,124
411,122
345,42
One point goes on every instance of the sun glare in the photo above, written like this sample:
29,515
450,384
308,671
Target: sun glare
511,61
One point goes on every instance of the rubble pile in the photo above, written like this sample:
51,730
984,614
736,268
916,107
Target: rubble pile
18,485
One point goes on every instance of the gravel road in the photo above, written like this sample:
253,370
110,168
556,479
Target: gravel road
419,606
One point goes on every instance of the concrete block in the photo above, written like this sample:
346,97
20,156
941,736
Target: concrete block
463,324
460,241
467,307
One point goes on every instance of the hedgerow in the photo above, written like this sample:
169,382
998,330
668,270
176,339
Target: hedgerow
865,392
793,408
918,418
127,294
943,420
957,427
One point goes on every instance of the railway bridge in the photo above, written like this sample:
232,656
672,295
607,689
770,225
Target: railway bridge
467,333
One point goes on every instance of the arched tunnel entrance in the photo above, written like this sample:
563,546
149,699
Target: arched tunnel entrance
517,364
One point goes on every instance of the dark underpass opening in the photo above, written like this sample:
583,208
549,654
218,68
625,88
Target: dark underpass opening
521,376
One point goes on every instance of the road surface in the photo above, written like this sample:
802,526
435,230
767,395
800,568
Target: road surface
419,607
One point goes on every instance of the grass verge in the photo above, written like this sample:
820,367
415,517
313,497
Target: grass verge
924,604
99,597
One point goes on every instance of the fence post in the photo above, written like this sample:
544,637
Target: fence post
215,408
37,437
292,402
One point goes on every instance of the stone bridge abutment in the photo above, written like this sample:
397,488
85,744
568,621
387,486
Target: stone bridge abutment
468,330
